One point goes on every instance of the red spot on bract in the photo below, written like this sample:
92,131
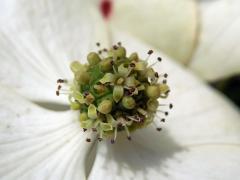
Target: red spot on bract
106,8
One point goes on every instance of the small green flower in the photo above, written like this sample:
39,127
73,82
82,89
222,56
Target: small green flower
115,92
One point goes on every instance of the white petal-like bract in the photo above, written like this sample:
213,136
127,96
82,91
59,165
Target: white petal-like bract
39,144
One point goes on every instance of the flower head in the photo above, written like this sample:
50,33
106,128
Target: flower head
115,92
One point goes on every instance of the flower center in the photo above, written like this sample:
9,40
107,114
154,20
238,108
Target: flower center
116,93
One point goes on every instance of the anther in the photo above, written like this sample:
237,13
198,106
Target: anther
84,129
105,50
132,65
170,106
119,43
60,81
150,52
94,129
156,75
100,139
164,81
129,138
88,140
115,47
165,75
57,93
163,120
99,52
59,87
98,44
112,141
159,59
158,129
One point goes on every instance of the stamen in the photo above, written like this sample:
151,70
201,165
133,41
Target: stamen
119,44
115,136
88,140
159,59
149,54
127,132
98,44
164,112
157,127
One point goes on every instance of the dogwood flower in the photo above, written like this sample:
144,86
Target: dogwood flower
41,139
202,35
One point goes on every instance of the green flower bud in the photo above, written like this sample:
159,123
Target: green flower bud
120,52
100,88
128,102
87,124
123,70
106,126
105,107
93,58
75,106
106,65
163,88
92,111
83,116
152,105
89,99
117,93
153,92
82,77
108,78
130,81
133,57
140,66
120,81
77,66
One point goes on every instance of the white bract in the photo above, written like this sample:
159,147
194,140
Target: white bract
200,140
203,34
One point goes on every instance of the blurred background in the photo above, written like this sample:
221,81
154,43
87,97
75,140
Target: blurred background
203,35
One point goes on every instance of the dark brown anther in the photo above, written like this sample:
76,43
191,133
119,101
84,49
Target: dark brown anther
170,106
84,129
112,63
150,52
94,129
158,129
99,139
132,65
159,59
57,93
166,113
59,87
98,44
105,50
163,120
119,43
115,47
88,140
164,81
129,138
99,52
118,58
165,75
156,75
60,81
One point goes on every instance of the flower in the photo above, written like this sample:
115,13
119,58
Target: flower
40,139
188,31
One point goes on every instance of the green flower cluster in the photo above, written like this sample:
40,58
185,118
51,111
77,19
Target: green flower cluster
115,92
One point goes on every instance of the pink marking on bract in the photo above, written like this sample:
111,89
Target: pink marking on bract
106,8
